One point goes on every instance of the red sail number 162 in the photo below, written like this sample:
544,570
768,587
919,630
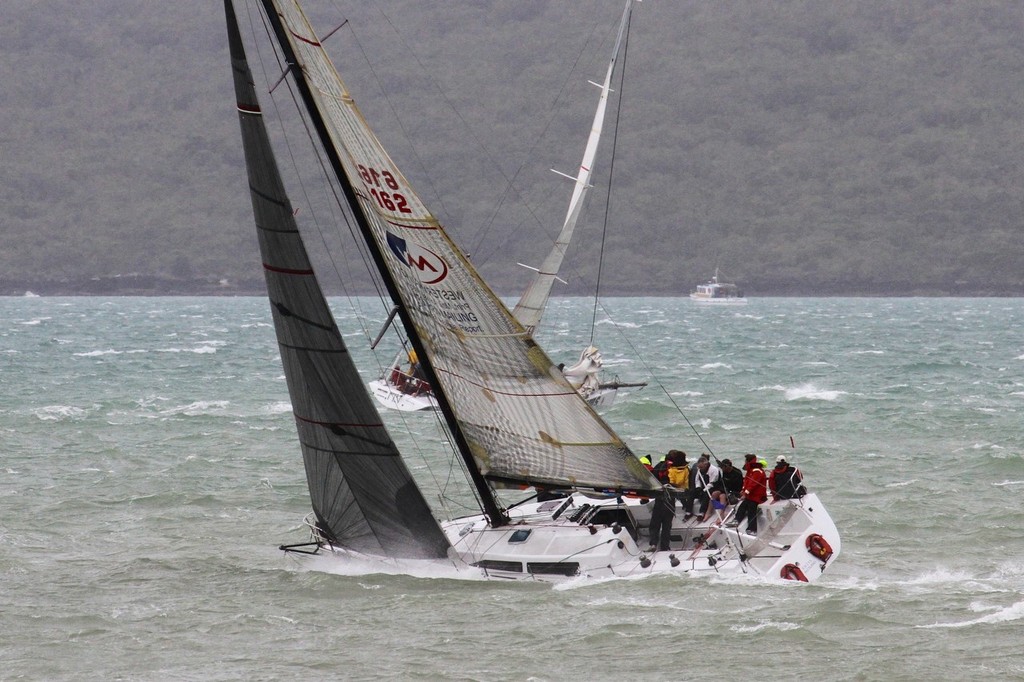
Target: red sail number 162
390,201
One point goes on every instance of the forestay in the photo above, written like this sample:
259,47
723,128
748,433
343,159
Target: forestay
363,495
518,418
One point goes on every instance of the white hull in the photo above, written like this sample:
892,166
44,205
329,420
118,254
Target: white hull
601,537
603,397
394,399
718,301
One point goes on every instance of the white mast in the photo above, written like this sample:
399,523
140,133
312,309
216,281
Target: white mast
530,307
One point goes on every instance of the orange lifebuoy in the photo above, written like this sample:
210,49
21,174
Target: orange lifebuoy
819,547
793,572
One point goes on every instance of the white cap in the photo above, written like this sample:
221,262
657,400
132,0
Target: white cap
780,459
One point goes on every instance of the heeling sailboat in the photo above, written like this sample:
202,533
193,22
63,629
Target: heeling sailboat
401,388
513,417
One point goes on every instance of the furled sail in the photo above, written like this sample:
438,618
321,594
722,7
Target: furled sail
363,495
514,417
530,308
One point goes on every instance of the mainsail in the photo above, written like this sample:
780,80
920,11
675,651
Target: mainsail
530,308
513,415
363,495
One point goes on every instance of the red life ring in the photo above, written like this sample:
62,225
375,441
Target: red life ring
819,547
793,572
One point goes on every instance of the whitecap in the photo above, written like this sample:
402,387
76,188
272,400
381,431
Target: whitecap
97,353
624,325
765,625
201,350
716,365
197,408
812,392
1001,615
939,576
1003,484
901,484
53,413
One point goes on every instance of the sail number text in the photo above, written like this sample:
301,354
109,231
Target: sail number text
379,182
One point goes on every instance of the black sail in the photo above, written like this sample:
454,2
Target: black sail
363,495
513,416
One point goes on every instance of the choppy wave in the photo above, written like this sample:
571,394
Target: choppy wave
765,625
999,615
109,351
200,350
198,408
56,413
169,438
812,392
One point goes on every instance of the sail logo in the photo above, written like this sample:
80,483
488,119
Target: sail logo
429,267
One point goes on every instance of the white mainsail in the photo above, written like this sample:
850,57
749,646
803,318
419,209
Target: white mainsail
514,415
530,308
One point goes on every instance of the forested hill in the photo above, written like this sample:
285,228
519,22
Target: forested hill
815,147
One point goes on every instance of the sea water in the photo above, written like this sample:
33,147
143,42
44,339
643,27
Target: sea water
150,471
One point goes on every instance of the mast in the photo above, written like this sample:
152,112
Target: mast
530,307
362,493
495,514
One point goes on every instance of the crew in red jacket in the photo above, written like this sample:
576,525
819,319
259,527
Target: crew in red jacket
754,493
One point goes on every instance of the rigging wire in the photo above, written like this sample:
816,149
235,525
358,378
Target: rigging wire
607,211
344,216
611,175
335,201
510,183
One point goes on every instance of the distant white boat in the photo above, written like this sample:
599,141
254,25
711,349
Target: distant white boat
717,292
30,294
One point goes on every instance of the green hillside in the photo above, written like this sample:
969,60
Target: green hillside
803,147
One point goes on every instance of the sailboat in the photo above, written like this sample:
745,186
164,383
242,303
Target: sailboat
514,420
398,386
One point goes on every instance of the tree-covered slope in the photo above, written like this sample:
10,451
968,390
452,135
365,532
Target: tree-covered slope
803,147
